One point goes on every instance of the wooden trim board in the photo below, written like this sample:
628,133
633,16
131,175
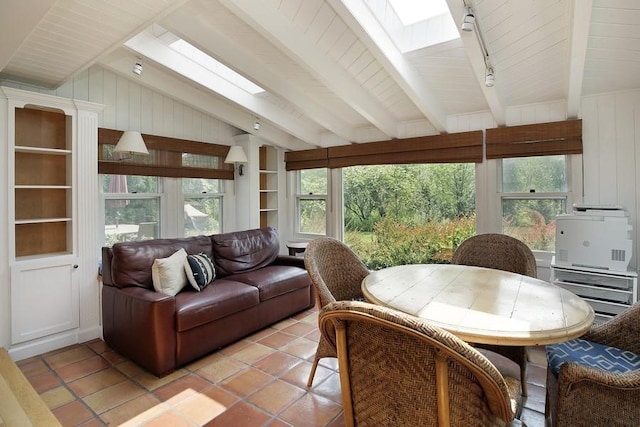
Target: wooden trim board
20,404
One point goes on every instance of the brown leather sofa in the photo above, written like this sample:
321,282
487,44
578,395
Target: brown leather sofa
254,288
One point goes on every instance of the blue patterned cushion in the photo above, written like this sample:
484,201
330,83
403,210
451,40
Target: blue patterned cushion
200,271
610,359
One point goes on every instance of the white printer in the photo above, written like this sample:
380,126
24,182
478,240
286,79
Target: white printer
594,236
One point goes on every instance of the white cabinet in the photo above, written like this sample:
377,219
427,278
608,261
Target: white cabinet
609,292
44,298
51,237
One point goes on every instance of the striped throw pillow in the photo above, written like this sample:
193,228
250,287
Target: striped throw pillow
200,271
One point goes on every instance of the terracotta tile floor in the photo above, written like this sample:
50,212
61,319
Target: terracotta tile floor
258,381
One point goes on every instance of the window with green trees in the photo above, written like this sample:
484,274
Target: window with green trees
402,214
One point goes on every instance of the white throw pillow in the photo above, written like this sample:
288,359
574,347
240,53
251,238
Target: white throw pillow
168,273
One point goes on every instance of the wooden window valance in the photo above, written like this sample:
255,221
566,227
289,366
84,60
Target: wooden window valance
306,159
543,139
463,147
168,157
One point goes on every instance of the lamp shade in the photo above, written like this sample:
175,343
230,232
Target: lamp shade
236,155
131,142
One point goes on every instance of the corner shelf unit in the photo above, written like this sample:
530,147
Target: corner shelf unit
608,292
268,187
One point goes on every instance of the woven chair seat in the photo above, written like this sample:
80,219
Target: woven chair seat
595,355
595,380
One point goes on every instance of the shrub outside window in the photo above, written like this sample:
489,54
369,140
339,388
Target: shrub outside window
408,213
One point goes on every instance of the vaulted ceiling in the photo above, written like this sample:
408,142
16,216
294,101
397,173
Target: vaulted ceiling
333,71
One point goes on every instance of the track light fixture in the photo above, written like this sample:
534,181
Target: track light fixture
489,77
469,24
137,68
468,20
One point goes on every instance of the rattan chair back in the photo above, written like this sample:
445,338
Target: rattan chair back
398,370
335,270
498,251
336,273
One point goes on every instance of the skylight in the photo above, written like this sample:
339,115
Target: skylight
412,11
214,66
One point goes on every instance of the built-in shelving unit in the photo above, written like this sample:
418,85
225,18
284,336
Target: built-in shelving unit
608,292
268,186
43,182
51,219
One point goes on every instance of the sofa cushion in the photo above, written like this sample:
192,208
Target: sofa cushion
275,280
243,251
595,355
131,261
213,302
168,273
200,271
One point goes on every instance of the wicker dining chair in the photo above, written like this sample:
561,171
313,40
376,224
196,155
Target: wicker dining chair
336,273
500,252
597,385
399,370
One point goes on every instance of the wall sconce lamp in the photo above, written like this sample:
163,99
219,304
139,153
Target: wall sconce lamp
236,155
468,20
131,142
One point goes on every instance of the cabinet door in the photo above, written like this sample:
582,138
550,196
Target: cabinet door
44,298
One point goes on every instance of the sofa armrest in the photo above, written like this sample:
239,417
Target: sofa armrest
289,260
140,324
107,256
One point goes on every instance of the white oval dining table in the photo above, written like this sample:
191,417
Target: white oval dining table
482,305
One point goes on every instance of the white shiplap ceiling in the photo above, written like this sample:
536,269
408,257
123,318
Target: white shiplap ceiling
332,73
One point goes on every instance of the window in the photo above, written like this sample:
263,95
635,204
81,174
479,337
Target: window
534,191
131,208
202,206
311,201
408,214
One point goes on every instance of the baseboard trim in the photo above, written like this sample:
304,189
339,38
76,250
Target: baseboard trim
90,334
43,345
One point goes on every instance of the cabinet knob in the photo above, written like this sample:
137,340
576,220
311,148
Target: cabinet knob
75,265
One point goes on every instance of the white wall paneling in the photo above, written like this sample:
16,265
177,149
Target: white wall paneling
611,133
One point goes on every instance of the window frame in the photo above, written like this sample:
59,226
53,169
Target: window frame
158,195
567,195
299,197
206,195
